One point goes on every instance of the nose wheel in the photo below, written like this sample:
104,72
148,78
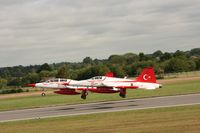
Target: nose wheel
43,94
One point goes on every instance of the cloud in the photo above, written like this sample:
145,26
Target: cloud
38,31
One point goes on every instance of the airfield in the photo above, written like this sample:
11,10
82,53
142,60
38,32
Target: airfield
173,108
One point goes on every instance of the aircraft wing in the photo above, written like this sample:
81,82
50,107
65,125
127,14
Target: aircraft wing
127,87
121,85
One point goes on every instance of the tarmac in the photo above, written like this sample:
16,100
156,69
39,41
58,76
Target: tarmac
100,107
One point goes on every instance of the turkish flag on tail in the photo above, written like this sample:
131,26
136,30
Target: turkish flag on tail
147,75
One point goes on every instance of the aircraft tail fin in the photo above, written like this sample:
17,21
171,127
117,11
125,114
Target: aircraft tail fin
147,75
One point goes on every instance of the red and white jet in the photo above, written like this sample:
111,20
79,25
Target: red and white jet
110,84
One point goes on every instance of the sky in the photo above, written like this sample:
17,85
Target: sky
39,31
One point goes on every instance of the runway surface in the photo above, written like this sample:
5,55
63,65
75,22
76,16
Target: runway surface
111,106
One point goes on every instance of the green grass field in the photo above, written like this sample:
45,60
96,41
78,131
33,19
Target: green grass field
182,74
185,119
175,88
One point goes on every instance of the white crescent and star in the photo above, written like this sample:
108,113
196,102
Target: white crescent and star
146,77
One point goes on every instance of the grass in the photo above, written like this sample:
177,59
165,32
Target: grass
161,120
180,87
182,74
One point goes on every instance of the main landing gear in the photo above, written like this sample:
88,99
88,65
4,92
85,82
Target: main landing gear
84,94
122,93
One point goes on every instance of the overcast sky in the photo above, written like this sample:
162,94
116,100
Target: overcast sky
39,31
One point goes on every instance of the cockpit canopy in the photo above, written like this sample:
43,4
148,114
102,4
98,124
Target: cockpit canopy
56,80
97,78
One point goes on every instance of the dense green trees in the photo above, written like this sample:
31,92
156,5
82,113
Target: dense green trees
122,65
195,51
63,72
44,67
87,60
3,83
197,62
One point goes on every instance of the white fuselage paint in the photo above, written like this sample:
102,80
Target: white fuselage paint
103,81
53,83
98,81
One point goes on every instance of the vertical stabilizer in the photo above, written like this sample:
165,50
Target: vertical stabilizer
147,75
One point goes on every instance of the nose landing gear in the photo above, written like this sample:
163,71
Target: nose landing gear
43,94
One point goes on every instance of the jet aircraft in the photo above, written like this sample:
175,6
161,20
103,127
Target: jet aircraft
102,84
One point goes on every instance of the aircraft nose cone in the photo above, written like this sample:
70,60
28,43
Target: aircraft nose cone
30,85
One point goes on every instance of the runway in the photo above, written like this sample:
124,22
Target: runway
100,107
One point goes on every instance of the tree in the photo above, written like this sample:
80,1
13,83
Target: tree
63,72
3,83
177,64
165,56
191,65
44,67
142,57
116,59
117,70
158,53
87,60
160,72
15,82
5,73
45,74
197,62
179,53
73,74
131,70
30,78
143,64
96,61
103,69
130,58
195,51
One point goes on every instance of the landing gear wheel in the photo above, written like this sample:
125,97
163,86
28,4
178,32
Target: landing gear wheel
83,97
84,94
122,95
43,94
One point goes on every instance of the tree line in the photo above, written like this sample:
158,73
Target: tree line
128,64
